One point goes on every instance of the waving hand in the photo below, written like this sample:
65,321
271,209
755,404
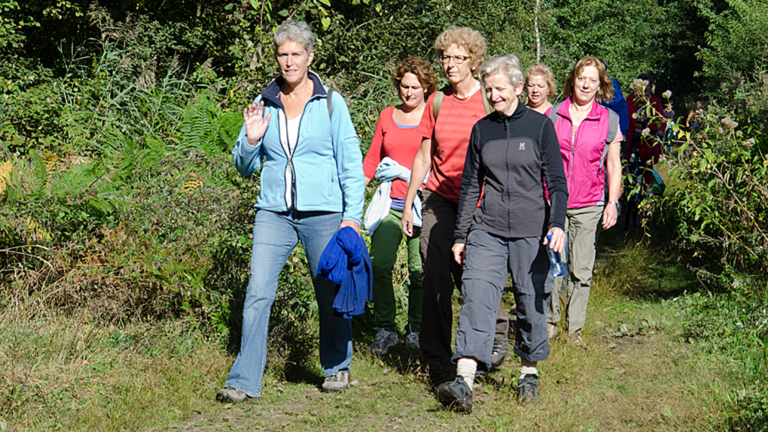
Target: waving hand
255,122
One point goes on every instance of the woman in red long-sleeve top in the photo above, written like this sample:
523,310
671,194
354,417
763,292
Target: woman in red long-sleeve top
397,137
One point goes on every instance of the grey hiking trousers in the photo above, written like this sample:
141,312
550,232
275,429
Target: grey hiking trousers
488,261
439,272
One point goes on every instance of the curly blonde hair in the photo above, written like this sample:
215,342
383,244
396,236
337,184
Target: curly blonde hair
542,70
419,67
464,37
605,93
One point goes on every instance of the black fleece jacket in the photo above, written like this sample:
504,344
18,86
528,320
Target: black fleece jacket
510,156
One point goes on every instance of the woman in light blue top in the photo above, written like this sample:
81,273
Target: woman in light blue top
312,184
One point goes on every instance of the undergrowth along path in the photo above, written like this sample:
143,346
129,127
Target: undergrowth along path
638,374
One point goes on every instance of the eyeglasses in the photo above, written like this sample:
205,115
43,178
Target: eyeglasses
456,59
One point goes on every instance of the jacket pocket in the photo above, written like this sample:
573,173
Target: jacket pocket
318,187
272,193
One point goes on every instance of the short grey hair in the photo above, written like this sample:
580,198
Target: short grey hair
295,31
509,65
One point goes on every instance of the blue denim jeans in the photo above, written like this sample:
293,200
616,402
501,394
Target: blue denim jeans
275,235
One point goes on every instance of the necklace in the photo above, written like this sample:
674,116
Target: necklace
463,98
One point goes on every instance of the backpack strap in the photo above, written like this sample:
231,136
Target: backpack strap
329,101
613,129
438,102
440,96
486,103
613,126
553,116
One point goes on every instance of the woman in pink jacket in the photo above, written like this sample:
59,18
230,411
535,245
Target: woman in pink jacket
589,140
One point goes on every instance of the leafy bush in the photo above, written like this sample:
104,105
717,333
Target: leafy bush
722,203
737,42
720,208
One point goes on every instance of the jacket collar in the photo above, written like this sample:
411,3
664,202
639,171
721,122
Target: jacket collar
272,92
594,113
519,112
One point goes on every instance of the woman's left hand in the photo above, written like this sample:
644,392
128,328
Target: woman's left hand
355,226
610,215
558,240
459,252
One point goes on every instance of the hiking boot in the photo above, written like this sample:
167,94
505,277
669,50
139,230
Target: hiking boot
412,340
335,383
384,340
528,388
552,331
576,340
499,353
231,394
455,395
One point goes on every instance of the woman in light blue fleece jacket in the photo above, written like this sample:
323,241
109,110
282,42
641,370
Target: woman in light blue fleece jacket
312,184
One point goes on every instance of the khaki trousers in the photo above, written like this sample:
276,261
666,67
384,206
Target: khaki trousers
582,225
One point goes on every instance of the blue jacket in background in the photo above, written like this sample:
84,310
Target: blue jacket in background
327,165
619,105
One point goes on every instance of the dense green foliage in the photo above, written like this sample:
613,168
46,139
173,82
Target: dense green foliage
720,207
737,41
117,193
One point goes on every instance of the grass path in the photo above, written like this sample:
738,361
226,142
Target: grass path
637,375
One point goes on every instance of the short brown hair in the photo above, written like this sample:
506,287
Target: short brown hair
419,67
540,69
605,94
465,37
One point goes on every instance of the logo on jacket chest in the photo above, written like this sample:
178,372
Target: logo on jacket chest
522,146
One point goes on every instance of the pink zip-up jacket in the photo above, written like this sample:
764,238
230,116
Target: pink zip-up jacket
584,158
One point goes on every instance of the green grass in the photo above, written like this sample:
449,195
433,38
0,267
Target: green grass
638,374
63,373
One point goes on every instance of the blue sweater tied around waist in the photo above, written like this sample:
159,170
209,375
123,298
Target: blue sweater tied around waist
345,261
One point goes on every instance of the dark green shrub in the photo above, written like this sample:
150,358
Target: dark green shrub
720,206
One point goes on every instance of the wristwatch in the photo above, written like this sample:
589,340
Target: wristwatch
618,206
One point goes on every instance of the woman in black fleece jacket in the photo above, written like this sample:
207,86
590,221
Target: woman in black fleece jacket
510,152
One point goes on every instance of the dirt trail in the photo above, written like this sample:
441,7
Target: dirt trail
637,374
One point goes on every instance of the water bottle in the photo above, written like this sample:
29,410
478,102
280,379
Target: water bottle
557,268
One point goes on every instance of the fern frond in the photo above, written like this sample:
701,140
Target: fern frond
51,162
34,232
41,181
197,126
228,126
192,184
5,174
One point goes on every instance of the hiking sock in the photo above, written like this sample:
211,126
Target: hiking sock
528,370
466,368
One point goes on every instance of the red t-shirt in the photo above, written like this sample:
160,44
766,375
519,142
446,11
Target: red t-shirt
450,136
396,142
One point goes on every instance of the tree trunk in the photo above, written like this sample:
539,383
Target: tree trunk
538,39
